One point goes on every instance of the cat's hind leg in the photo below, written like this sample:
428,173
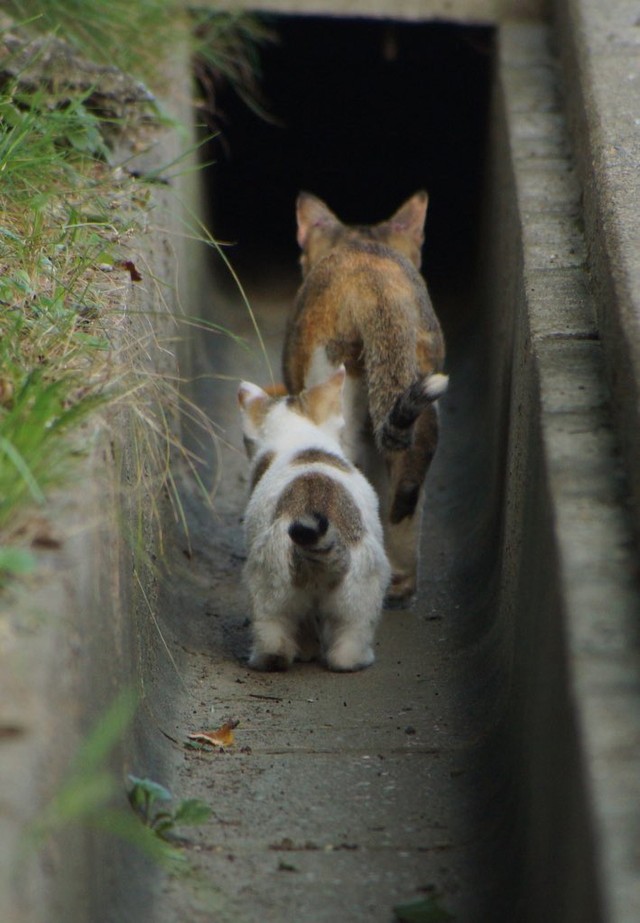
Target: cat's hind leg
404,507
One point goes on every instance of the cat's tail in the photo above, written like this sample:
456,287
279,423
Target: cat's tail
396,431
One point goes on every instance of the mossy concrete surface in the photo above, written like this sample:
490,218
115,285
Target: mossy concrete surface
78,631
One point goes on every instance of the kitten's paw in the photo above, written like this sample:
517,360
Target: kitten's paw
347,659
269,663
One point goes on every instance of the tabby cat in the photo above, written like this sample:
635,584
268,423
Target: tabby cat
364,304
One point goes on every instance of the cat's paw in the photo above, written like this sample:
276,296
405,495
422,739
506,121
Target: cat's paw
400,591
269,663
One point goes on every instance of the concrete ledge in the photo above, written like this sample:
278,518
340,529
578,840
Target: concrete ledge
599,45
480,12
572,584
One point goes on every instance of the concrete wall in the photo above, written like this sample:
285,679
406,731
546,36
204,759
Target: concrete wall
81,629
480,12
569,595
599,51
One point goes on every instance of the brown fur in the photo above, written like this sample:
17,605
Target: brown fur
276,390
318,403
364,301
315,491
309,456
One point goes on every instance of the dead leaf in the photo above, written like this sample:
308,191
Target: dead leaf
39,532
130,266
6,391
45,539
10,731
221,737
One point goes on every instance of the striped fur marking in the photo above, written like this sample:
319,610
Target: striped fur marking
311,456
404,502
262,464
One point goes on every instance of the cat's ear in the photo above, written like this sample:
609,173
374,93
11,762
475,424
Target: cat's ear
254,403
311,212
410,217
404,231
324,401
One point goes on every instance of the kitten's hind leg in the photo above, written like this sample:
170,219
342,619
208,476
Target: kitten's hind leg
348,627
269,663
348,651
274,643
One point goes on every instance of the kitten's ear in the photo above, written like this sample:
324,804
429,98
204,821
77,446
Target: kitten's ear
410,217
254,403
324,401
248,392
311,212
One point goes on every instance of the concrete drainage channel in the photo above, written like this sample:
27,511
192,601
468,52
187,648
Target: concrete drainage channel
485,764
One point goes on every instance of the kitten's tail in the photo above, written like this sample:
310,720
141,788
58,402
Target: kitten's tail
318,540
395,433
308,531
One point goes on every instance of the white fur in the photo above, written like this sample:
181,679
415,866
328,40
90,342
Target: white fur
344,617
319,368
355,406
356,413
435,385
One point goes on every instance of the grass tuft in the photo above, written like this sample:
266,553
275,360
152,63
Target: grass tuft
227,49
71,340
131,36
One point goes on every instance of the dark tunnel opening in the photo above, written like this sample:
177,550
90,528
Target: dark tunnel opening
362,113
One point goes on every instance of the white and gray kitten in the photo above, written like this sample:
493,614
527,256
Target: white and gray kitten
316,566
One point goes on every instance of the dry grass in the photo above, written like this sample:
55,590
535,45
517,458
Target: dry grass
75,344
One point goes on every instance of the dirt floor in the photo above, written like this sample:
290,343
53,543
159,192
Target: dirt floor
343,795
